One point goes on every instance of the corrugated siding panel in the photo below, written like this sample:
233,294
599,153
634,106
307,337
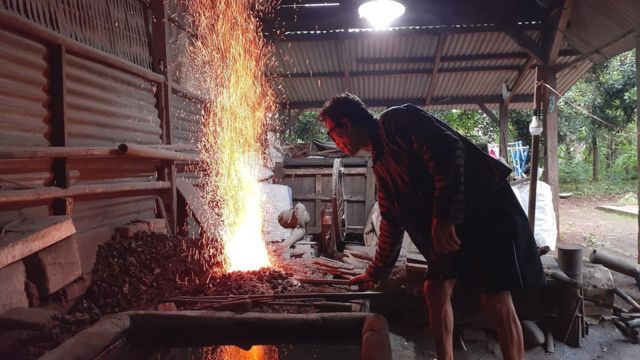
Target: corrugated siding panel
23,91
384,45
23,108
186,120
301,89
91,214
118,27
106,106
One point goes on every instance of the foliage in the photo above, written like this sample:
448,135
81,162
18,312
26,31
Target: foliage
470,123
306,129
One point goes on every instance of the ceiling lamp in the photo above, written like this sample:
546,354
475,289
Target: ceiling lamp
381,13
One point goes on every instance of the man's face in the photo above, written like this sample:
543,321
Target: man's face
342,135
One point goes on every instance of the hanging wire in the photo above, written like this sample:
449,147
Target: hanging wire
584,111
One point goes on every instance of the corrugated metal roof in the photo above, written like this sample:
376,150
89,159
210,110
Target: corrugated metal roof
593,23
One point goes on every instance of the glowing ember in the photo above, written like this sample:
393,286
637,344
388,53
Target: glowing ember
233,56
256,352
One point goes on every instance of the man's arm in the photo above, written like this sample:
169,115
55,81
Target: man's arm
389,241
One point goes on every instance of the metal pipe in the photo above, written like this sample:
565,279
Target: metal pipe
48,193
616,264
152,153
533,184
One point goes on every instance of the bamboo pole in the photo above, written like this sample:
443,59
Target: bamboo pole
48,193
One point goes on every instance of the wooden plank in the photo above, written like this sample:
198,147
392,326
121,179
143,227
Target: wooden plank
28,236
526,42
490,114
13,278
519,79
198,205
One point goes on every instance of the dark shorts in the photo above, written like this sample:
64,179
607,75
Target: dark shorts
498,251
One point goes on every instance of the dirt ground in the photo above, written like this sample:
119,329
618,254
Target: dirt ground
580,223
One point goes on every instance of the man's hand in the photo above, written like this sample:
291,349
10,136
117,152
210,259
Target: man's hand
364,282
444,237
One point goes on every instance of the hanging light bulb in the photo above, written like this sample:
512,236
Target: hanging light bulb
535,128
381,13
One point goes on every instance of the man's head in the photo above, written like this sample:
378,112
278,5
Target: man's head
347,121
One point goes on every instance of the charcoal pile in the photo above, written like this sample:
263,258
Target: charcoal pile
132,272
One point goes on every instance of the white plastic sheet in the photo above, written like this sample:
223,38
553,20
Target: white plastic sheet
545,231
275,199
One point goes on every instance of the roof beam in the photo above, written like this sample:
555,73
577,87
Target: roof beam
555,35
519,79
433,81
455,100
352,74
490,114
343,52
318,35
526,42
454,58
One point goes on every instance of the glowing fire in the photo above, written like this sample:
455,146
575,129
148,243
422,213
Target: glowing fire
230,352
233,56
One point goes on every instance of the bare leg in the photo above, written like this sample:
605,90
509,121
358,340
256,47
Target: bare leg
500,310
438,294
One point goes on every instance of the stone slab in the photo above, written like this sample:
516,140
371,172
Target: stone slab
88,243
30,235
630,210
26,319
13,279
57,266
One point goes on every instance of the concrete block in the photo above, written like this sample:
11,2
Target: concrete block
12,278
88,243
56,266
26,319
76,289
598,283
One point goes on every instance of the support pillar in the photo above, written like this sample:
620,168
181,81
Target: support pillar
638,107
550,116
504,128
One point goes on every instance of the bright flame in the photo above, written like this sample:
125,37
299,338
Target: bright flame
232,56
381,13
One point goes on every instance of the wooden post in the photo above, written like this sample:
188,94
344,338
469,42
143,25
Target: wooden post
58,107
504,128
163,98
638,107
535,151
550,116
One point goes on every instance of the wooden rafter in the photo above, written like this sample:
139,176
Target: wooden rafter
556,34
490,114
519,79
352,74
526,42
454,100
343,52
433,81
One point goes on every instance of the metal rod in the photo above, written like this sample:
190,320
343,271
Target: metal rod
324,281
166,152
47,193
616,264
329,296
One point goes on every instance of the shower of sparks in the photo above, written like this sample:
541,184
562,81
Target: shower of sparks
232,58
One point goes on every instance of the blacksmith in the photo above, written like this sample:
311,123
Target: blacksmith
455,203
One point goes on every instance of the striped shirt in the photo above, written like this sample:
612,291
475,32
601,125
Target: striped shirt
424,170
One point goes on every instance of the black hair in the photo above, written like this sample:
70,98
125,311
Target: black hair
348,106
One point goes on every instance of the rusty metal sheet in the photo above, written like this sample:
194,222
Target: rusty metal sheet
106,106
91,214
23,91
87,171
